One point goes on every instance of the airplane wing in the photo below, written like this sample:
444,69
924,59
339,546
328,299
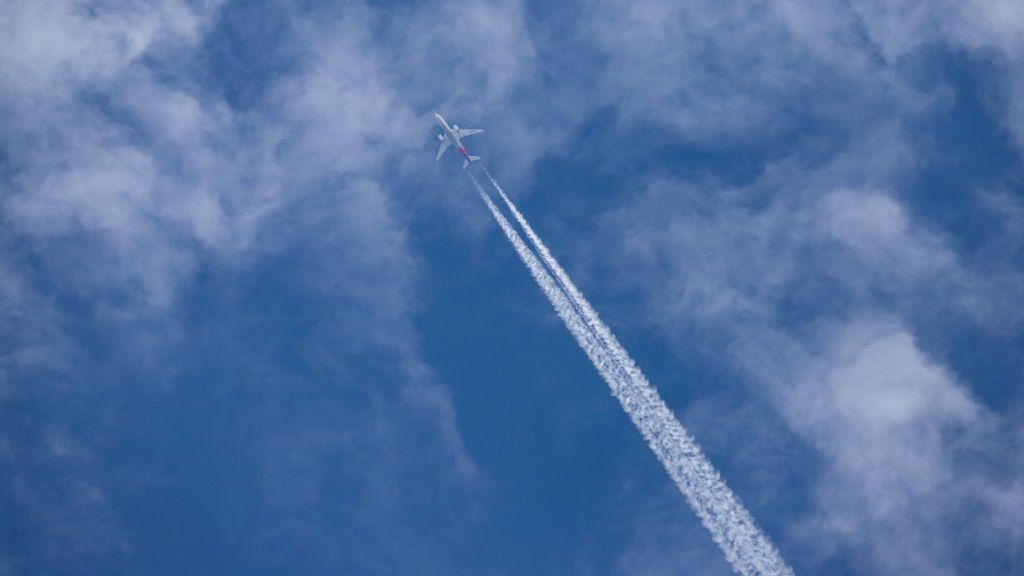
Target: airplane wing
444,146
463,132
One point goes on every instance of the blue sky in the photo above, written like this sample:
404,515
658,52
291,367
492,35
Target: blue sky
249,326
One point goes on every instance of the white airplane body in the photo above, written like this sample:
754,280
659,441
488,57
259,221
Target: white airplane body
452,136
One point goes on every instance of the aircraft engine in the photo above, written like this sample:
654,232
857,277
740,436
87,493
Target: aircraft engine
440,136
455,127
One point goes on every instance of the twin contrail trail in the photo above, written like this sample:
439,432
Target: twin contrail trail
746,547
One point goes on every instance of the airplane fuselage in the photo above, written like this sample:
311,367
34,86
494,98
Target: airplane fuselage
452,136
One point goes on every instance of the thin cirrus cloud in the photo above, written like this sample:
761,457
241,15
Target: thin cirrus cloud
825,283
131,177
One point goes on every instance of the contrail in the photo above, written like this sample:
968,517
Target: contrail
584,337
745,546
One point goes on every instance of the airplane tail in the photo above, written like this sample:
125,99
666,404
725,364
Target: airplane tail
468,160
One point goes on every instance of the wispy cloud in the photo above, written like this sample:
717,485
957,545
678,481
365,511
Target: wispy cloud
128,175
745,546
143,177
820,279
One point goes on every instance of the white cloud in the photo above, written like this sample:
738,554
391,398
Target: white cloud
80,170
745,73
899,436
130,175
55,47
755,70
989,32
896,431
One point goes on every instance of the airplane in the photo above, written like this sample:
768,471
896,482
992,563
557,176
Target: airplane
453,136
